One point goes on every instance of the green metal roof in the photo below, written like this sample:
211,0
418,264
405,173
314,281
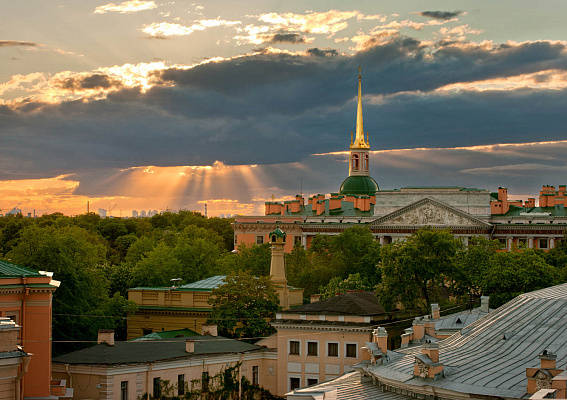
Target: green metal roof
9,270
557,211
359,185
167,334
208,284
278,232
204,285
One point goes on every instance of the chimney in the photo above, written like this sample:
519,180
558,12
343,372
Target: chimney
315,298
547,359
380,337
435,311
484,304
431,350
418,329
209,330
429,326
190,345
106,336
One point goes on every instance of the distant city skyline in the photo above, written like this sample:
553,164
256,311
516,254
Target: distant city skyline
178,104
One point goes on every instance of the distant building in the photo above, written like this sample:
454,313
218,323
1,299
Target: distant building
322,340
393,215
135,213
128,370
170,308
143,213
102,212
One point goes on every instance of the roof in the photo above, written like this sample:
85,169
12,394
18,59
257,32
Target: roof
459,320
490,356
167,334
347,210
557,211
204,285
136,352
348,387
9,270
357,303
359,185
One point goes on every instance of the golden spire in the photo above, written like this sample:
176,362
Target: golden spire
359,139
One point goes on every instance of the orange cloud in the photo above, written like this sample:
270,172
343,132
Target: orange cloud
126,7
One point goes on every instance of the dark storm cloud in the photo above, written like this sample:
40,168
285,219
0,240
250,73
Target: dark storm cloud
293,38
96,81
279,107
441,15
10,43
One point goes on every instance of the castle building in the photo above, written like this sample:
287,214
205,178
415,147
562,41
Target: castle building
395,214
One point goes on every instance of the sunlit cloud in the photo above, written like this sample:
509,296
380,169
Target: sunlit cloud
126,7
458,32
166,29
541,80
505,171
11,43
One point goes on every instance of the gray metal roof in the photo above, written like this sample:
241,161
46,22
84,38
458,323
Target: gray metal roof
458,321
490,356
348,387
210,283
135,352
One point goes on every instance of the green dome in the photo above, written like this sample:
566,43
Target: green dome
277,234
358,185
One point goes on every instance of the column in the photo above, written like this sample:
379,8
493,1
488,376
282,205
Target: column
551,243
530,242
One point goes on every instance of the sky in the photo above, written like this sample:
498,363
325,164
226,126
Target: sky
147,104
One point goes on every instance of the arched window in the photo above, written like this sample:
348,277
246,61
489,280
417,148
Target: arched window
273,238
366,162
355,162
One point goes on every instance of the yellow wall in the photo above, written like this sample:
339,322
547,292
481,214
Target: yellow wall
304,366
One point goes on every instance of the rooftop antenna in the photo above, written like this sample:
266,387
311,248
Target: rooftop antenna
301,185
205,210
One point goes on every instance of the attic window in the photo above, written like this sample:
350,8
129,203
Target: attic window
458,321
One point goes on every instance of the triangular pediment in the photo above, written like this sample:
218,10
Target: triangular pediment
429,212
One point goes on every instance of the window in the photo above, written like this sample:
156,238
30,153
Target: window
543,243
355,162
294,347
332,349
294,383
351,350
146,332
181,385
312,381
255,375
296,240
157,387
205,381
124,390
366,162
312,348
259,239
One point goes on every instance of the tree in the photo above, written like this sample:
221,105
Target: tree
472,265
157,268
243,306
338,285
512,273
415,271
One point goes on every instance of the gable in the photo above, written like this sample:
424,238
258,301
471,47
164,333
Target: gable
429,212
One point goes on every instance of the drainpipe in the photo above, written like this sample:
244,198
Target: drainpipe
25,363
70,377
148,379
241,360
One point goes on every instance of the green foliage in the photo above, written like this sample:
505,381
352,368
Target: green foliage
516,272
254,258
222,386
243,306
156,268
338,285
353,251
415,271
473,263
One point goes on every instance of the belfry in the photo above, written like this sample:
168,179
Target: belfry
359,181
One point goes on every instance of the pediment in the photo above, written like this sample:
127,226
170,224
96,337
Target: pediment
429,212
